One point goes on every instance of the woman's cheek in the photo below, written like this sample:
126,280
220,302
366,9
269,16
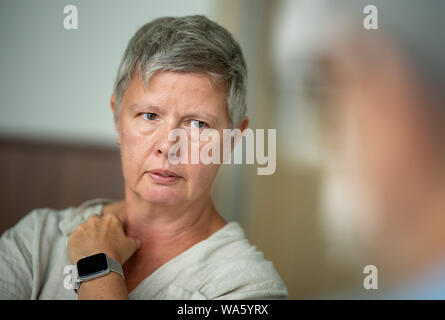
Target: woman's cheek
132,149
203,175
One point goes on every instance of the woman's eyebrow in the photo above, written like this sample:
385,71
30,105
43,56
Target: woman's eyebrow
150,107
201,115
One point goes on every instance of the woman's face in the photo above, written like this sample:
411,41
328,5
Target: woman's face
172,100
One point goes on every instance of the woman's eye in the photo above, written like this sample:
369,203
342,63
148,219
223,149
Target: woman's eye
149,116
198,124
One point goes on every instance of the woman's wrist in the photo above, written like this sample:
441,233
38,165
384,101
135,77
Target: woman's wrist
108,287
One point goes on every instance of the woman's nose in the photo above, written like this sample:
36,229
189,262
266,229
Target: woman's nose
163,145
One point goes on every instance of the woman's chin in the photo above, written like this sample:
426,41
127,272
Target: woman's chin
161,195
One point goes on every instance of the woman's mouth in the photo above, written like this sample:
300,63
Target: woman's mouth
163,176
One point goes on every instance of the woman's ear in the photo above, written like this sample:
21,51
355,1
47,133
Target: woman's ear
242,126
112,103
116,122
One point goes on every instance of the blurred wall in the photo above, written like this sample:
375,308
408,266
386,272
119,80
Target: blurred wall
38,174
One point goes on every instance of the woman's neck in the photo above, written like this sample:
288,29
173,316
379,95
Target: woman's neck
157,224
166,228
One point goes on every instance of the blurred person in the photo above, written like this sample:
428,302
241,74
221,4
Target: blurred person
384,109
165,240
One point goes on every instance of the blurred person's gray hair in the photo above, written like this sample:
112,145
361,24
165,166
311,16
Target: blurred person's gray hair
417,28
414,27
190,44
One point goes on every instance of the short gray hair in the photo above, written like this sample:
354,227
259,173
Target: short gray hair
186,44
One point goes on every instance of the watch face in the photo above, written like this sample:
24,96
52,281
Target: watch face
91,265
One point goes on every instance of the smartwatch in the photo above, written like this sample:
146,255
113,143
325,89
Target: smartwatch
95,266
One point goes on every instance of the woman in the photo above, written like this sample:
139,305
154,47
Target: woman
165,240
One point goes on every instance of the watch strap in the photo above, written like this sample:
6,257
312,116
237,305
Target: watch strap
115,266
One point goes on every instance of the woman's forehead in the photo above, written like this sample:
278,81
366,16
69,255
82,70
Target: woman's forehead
185,92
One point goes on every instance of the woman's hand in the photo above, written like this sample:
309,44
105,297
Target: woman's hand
101,234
